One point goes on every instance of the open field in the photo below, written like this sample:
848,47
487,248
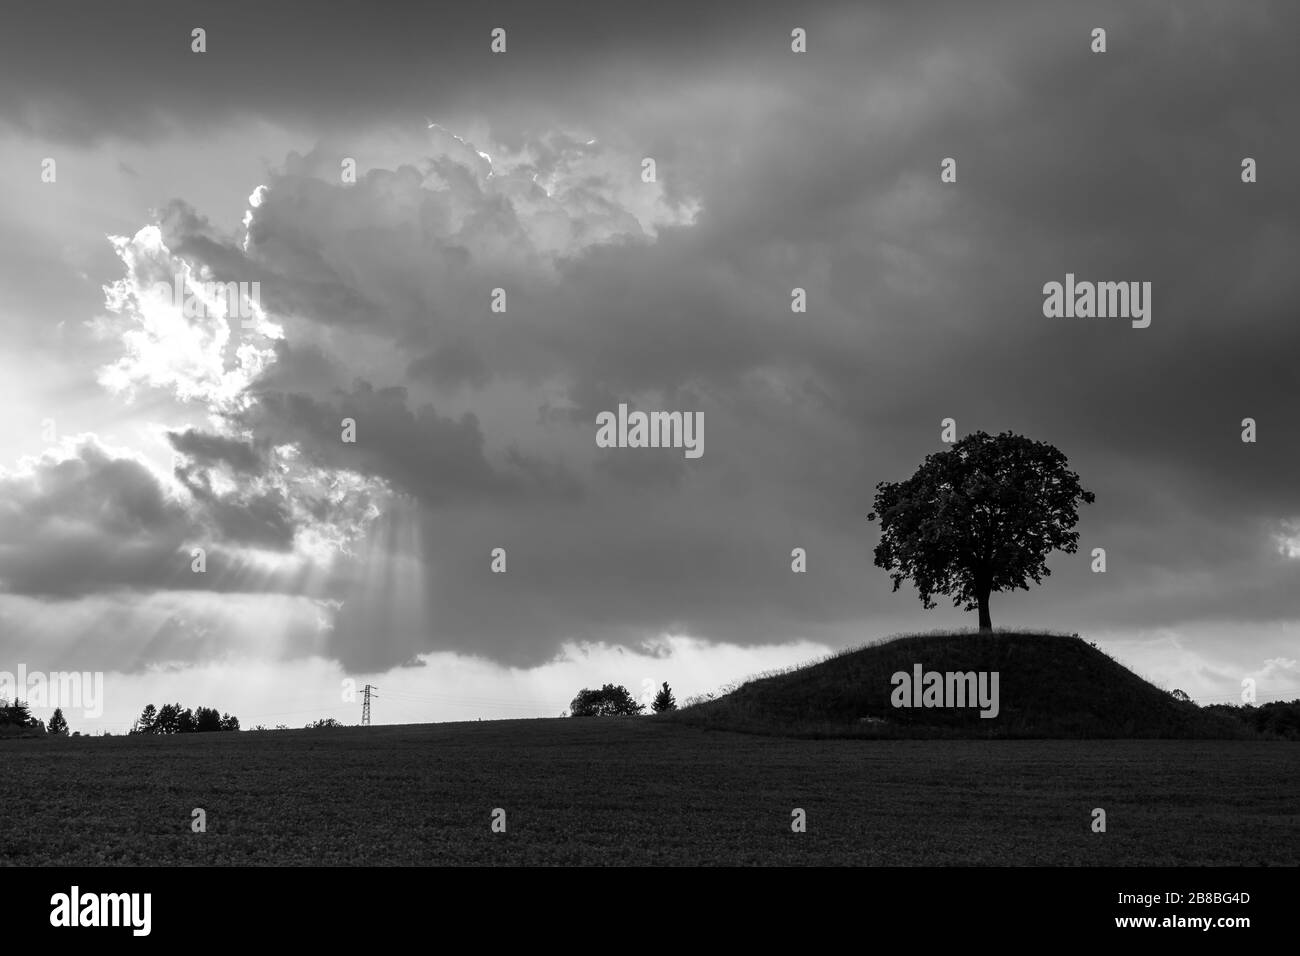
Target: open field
641,791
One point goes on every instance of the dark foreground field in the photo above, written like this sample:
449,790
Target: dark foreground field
641,791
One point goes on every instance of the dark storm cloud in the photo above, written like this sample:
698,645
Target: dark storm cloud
818,171
437,459
88,519
88,523
73,72
240,456
92,522
260,518
451,366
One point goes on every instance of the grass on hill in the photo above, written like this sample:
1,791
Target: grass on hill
1050,685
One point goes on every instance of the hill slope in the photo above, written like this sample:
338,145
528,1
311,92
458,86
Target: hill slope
1049,685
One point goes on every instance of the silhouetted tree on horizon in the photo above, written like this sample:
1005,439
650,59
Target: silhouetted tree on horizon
171,719
206,720
612,700
147,723
664,700
16,714
58,723
980,517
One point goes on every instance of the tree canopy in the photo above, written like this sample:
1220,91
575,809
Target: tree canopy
610,701
171,719
58,723
980,517
664,700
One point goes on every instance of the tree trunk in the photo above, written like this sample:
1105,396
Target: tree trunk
986,622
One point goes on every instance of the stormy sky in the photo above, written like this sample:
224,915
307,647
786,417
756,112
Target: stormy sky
135,433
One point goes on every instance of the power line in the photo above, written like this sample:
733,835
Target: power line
503,701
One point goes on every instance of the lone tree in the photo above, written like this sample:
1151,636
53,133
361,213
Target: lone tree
978,518
58,723
612,700
664,700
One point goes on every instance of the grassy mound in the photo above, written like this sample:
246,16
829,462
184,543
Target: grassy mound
1049,685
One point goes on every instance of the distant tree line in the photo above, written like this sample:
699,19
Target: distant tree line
171,719
16,715
1279,717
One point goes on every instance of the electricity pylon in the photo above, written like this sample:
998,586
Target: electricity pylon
365,706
